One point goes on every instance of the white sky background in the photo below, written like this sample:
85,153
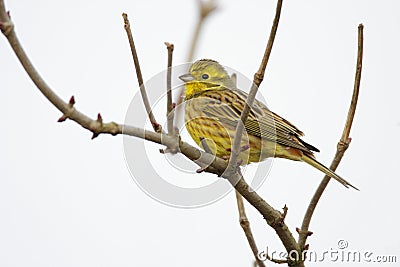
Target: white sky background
66,200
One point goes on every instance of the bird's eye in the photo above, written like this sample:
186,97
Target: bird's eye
205,76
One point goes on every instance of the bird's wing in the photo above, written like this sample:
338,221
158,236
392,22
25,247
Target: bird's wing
226,106
261,109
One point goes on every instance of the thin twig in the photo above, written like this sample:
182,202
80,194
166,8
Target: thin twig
258,77
341,147
205,9
272,216
245,224
277,261
154,123
170,108
205,146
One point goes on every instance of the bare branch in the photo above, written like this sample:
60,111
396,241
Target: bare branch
127,26
206,148
277,261
341,146
170,108
273,217
205,9
356,89
245,224
258,77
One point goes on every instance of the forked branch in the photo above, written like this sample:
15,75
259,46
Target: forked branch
341,146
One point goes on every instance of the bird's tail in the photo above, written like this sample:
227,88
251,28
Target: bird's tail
327,171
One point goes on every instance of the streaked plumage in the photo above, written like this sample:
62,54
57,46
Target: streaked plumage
212,111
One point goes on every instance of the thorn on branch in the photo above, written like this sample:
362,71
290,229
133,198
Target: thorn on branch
307,233
285,209
70,105
95,134
62,118
157,127
72,101
97,126
99,119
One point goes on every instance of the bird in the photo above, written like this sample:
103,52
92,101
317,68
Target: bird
213,107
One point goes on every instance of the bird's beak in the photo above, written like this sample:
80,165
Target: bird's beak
186,77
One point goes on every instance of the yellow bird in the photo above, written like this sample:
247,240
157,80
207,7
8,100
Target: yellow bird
213,106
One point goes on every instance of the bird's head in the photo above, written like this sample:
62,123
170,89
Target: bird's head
205,74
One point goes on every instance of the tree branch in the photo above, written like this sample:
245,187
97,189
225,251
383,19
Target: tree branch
273,217
205,8
258,77
341,146
154,123
170,108
245,224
